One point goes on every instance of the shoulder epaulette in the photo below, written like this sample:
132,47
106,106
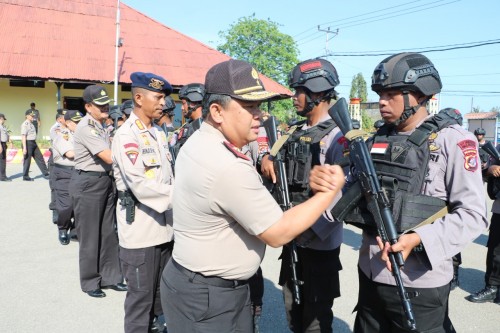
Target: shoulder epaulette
139,124
233,149
91,123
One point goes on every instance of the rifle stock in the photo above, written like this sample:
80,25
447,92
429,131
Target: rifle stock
284,202
377,202
491,150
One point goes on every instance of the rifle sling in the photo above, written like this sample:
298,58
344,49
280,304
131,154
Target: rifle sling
281,141
440,213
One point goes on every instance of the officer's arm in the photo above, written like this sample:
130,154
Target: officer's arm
267,168
105,155
23,139
70,154
326,181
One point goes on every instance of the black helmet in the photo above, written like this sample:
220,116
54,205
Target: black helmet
193,92
169,106
127,107
115,112
316,75
479,131
407,72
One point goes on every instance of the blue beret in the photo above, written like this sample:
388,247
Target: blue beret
151,82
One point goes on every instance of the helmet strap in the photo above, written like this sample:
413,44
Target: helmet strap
191,109
310,103
409,110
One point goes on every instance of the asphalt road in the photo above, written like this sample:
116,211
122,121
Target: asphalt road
40,292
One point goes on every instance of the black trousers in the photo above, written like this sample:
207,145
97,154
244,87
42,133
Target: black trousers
319,270
142,269
256,284
379,308
32,150
193,306
94,209
492,276
60,180
3,161
50,165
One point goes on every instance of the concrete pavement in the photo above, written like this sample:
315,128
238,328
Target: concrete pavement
39,285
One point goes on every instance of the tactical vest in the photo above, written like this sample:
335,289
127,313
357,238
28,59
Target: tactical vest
301,152
184,133
401,170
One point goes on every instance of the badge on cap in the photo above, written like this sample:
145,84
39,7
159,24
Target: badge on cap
156,84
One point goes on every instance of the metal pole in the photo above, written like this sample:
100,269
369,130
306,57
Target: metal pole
117,42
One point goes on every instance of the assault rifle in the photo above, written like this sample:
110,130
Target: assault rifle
493,187
377,202
284,201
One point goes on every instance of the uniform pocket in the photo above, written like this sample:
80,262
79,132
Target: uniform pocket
133,264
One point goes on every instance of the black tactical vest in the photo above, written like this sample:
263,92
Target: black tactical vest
301,152
184,133
401,170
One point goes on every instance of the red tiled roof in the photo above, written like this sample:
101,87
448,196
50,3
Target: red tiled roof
481,115
74,40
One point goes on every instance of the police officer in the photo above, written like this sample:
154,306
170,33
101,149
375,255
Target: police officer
480,136
30,148
314,141
165,120
36,120
220,242
126,108
421,158
191,96
4,138
93,196
64,155
491,290
54,131
144,180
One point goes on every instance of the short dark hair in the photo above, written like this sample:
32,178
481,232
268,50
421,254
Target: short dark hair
32,104
210,99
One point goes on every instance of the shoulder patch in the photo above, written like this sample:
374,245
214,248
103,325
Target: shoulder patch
469,150
132,151
91,122
233,149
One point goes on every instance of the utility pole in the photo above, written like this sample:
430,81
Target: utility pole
328,32
117,45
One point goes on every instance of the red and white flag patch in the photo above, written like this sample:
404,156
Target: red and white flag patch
132,151
379,148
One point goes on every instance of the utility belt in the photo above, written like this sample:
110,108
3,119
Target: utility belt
128,201
95,173
66,167
210,280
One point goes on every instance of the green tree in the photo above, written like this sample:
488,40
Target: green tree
270,51
358,90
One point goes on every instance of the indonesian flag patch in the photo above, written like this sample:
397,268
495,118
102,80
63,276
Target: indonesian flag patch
469,150
132,151
379,148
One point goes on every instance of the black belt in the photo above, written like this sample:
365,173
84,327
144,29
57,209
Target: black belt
210,280
95,173
67,167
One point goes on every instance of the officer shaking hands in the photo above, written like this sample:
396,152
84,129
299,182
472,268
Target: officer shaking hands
223,214
145,183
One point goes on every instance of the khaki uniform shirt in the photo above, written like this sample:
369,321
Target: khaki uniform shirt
90,138
141,165
454,176
219,205
54,131
28,129
61,145
4,136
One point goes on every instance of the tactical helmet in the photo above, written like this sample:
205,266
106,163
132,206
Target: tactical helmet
115,112
127,107
169,105
316,75
479,131
407,72
193,92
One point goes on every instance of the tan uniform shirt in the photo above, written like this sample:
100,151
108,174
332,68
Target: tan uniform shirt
454,176
90,138
141,165
220,205
28,129
61,145
4,136
54,131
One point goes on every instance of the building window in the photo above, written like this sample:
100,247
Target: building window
27,83
78,86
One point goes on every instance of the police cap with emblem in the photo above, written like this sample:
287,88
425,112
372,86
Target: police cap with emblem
29,113
151,82
96,94
73,115
238,79
127,107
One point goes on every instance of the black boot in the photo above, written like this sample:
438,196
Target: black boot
455,282
488,294
63,237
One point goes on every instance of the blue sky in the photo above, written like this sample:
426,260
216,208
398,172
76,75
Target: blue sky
471,76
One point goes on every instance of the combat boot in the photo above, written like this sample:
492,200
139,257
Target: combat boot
487,294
